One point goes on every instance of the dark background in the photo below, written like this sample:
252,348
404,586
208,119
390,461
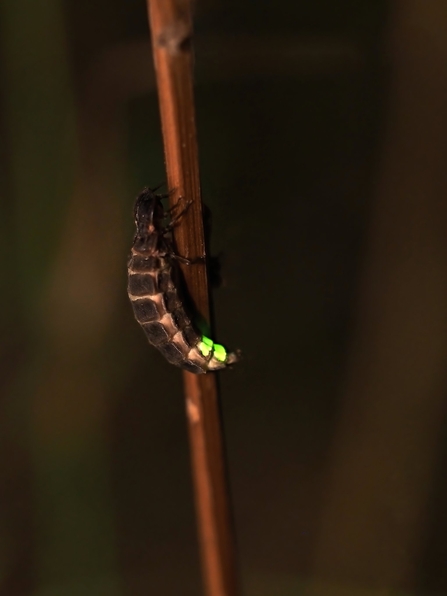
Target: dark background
322,130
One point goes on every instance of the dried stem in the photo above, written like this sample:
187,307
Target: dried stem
171,27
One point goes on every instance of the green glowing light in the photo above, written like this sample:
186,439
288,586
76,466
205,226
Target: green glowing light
206,346
205,350
207,341
220,353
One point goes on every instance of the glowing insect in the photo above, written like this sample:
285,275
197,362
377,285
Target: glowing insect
156,297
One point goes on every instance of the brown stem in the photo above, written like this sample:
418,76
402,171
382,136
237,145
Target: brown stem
171,27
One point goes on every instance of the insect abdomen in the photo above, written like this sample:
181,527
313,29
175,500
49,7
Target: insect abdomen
159,311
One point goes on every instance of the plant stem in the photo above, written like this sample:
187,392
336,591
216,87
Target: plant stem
171,27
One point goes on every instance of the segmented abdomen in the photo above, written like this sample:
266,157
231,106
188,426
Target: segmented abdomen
160,312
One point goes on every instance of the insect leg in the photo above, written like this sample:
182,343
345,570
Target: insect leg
186,261
176,218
